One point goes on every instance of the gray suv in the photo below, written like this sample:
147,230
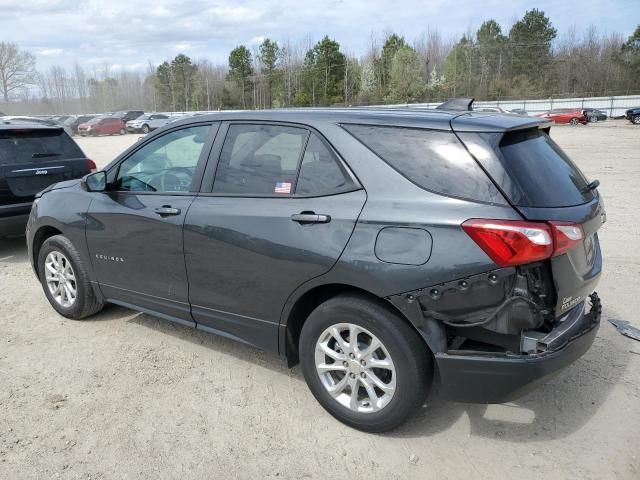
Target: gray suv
147,123
386,251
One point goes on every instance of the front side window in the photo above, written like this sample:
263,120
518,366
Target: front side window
166,164
259,160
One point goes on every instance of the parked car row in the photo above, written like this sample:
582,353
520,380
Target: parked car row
571,116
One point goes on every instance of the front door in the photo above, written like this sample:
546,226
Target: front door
280,212
134,230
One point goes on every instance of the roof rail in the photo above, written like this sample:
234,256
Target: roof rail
461,104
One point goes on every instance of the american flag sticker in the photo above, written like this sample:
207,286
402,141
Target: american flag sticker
283,187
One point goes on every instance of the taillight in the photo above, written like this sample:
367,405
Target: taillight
91,165
565,236
514,242
509,242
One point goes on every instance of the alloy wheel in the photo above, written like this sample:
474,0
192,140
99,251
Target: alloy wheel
60,278
355,368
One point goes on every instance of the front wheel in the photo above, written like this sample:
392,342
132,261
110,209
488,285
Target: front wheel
636,119
574,121
64,279
364,363
145,129
122,131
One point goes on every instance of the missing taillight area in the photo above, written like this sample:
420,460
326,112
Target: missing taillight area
514,242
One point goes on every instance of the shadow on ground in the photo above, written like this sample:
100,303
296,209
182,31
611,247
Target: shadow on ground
13,249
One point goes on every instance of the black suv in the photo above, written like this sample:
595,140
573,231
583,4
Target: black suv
384,250
128,115
32,157
633,115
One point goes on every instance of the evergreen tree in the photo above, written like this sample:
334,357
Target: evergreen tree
241,70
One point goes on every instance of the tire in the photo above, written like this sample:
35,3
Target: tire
401,347
86,303
636,119
574,121
145,129
122,131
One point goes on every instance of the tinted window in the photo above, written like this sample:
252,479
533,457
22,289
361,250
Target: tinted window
259,160
433,160
320,172
544,173
164,165
36,146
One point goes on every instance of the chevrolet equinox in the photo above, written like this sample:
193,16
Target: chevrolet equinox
386,251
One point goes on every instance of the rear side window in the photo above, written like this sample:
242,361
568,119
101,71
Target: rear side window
433,160
545,174
259,160
17,147
320,172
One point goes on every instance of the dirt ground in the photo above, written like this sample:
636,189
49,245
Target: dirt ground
126,395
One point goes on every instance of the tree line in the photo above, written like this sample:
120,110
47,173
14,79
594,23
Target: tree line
525,60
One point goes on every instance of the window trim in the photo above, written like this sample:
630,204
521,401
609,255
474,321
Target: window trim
216,152
198,173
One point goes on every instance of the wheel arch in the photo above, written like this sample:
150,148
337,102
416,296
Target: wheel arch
298,312
40,236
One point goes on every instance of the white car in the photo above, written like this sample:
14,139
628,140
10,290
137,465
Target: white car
147,122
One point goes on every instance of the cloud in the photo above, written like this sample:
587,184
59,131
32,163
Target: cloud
257,40
137,32
50,52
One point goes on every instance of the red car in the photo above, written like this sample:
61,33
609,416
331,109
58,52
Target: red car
572,116
102,126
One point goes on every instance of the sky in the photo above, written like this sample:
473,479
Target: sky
130,34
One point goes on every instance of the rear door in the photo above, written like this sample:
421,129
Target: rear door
544,184
32,159
279,212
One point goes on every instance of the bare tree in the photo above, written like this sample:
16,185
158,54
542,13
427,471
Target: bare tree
17,69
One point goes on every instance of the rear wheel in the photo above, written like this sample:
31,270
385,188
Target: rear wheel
364,364
65,280
574,121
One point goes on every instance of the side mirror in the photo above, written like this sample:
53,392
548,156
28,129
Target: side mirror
96,182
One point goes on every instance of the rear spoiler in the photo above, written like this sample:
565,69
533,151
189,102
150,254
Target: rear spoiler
457,104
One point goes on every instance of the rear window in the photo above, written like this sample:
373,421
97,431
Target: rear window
36,146
432,159
545,174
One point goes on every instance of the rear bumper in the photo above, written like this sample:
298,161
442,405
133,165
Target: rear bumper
488,378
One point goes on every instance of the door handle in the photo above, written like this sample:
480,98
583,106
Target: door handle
167,210
310,217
